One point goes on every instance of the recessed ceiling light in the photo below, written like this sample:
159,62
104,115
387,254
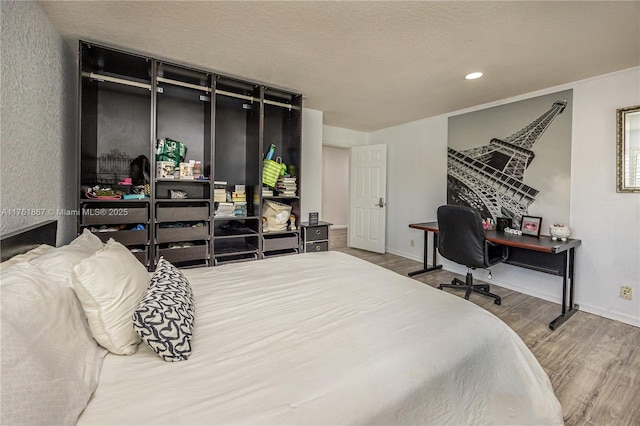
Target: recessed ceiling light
473,75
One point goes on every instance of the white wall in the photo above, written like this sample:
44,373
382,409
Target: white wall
416,180
311,188
335,186
608,223
343,138
38,128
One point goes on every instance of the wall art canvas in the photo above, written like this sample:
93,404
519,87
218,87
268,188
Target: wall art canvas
513,160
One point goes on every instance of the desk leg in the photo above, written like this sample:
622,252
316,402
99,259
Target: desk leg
434,264
567,309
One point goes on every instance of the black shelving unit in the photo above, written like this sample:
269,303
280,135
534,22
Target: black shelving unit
129,101
115,88
282,126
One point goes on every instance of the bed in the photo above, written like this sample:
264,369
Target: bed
317,338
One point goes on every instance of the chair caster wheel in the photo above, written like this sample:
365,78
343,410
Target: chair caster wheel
497,302
439,287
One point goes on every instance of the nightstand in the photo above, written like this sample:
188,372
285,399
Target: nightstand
315,237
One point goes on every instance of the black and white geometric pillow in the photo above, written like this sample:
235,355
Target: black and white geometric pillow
164,317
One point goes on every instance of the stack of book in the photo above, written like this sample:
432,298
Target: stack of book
267,192
239,195
287,186
225,209
219,191
240,208
239,198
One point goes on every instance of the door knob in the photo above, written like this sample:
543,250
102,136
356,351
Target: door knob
380,203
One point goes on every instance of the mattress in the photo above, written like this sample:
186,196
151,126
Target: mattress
327,338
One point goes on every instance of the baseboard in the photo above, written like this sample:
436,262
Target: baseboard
557,298
403,254
339,226
627,319
554,298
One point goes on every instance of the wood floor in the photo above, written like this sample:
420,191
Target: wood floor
593,362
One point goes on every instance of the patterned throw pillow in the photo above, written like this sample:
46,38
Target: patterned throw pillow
164,318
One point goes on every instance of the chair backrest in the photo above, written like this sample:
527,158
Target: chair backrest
461,237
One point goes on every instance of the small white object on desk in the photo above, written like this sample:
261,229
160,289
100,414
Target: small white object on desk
559,231
512,231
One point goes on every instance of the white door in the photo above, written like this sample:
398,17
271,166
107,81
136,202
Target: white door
368,197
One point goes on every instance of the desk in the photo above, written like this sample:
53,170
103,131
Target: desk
537,253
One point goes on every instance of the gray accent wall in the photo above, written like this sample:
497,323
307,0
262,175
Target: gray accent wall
37,122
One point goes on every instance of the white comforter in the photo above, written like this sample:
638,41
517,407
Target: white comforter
326,338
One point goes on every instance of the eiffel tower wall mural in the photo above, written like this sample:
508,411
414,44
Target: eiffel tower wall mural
513,160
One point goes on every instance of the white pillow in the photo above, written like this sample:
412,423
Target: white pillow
50,362
31,254
59,262
109,284
87,241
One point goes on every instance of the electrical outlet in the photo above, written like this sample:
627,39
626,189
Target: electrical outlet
626,292
412,243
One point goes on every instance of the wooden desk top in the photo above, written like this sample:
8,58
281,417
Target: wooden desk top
544,243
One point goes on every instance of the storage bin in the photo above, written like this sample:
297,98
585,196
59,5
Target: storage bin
315,233
112,214
317,246
192,233
125,237
184,254
182,214
280,242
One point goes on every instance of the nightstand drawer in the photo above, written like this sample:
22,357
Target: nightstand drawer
316,233
319,246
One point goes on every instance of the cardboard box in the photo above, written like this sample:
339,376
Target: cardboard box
186,171
164,169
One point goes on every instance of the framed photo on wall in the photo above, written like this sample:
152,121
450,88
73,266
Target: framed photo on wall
530,225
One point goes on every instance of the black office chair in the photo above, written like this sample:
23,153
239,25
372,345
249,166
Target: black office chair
461,239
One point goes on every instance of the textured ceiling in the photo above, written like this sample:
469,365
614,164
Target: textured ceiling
370,65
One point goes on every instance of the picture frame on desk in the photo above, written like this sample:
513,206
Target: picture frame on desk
530,225
502,223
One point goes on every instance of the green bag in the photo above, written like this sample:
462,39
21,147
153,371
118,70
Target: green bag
170,150
271,170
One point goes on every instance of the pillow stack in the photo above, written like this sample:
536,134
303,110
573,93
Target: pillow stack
109,285
50,361
25,257
65,300
123,306
59,262
164,317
